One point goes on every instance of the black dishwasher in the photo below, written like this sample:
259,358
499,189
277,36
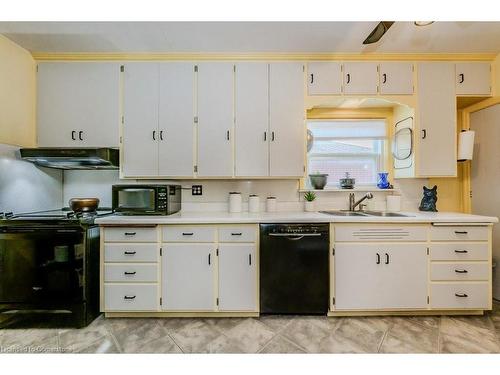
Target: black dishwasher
294,268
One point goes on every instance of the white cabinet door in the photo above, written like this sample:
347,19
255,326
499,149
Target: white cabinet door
473,78
436,143
382,276
360,78
324,78
286,110
176,119
396,78
252,120
215,119
237,277
78,104
140,127
188,277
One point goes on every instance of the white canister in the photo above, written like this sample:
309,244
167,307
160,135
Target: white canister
253,203
234,202
393,203
271,204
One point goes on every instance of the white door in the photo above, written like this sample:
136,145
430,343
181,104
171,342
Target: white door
436,117
78,104
396,78
473,78
286,119
176,120
360,78
188,277
324,78
237,277
215,119
251,131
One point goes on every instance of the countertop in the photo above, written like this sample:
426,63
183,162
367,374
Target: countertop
290,217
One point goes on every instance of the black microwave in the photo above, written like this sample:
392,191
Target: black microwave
146,199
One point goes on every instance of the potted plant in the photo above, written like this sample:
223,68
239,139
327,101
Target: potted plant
309,197
318,180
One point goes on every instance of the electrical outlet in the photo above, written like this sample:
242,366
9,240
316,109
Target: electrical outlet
196,190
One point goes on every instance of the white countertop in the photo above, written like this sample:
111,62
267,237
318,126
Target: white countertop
290,217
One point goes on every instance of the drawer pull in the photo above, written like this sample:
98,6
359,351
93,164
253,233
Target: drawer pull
461,271
461,232
249,259
236,234
129,252
461,251
130,233
386,258
378,259
461,295
128,297
187,234
129,273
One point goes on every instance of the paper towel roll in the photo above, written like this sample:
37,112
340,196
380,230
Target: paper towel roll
393,203
465,145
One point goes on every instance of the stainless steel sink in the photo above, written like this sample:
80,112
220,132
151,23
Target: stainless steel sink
363,213
343,213
385,214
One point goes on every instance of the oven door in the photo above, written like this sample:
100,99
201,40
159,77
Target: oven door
140,200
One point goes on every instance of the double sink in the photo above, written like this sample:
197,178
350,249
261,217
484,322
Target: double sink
364,213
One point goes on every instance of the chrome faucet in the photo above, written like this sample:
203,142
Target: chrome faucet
353,203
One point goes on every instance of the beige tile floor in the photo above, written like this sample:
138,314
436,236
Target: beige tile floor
268,334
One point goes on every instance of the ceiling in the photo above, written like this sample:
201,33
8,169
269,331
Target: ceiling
241,37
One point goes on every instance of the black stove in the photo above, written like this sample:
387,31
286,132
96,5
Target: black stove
62,216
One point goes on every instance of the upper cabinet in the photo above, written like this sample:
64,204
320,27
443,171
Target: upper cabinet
324,78
396,78
436,118
215,119
473,78
78,104
360,78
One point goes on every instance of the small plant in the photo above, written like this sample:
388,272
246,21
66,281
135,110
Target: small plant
310,196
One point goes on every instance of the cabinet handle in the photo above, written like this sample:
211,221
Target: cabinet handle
130,233
312,78
128,297
461,271
227,135
348,78
249,259
187,234
154,135
461,295
378,258
386,258
161,135
210,259
73,135
129,252
272,136
265,136
384,78
129,273
424,133
461,232
461,251
462,78
236,234
80,135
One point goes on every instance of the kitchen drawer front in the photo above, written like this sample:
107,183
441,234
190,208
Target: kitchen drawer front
130,297
386,233
131,252
459,251
246,233
459,271
179,233
447,296
130,234
459,233
145,273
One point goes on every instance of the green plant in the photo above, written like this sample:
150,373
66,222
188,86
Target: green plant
310,196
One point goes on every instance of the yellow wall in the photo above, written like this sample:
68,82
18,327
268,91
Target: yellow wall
17,94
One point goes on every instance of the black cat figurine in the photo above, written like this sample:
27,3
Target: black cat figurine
429,200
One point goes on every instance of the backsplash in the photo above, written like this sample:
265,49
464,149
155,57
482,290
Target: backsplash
24,187
215,192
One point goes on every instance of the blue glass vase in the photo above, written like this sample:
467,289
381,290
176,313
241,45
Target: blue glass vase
383,183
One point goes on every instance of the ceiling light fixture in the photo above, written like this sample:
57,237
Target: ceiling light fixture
423,23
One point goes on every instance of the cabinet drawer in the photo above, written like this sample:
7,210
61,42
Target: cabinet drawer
459,271
130,297
460,296
368,233
133,252
238,234
130,234
146,273
189,233
459,233
459,251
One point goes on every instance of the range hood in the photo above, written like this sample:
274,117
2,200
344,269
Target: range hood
73,158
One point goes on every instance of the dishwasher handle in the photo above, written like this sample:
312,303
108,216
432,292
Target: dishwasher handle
294,237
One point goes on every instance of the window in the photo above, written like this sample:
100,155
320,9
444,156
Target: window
339,146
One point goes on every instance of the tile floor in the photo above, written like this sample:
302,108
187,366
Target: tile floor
268,334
